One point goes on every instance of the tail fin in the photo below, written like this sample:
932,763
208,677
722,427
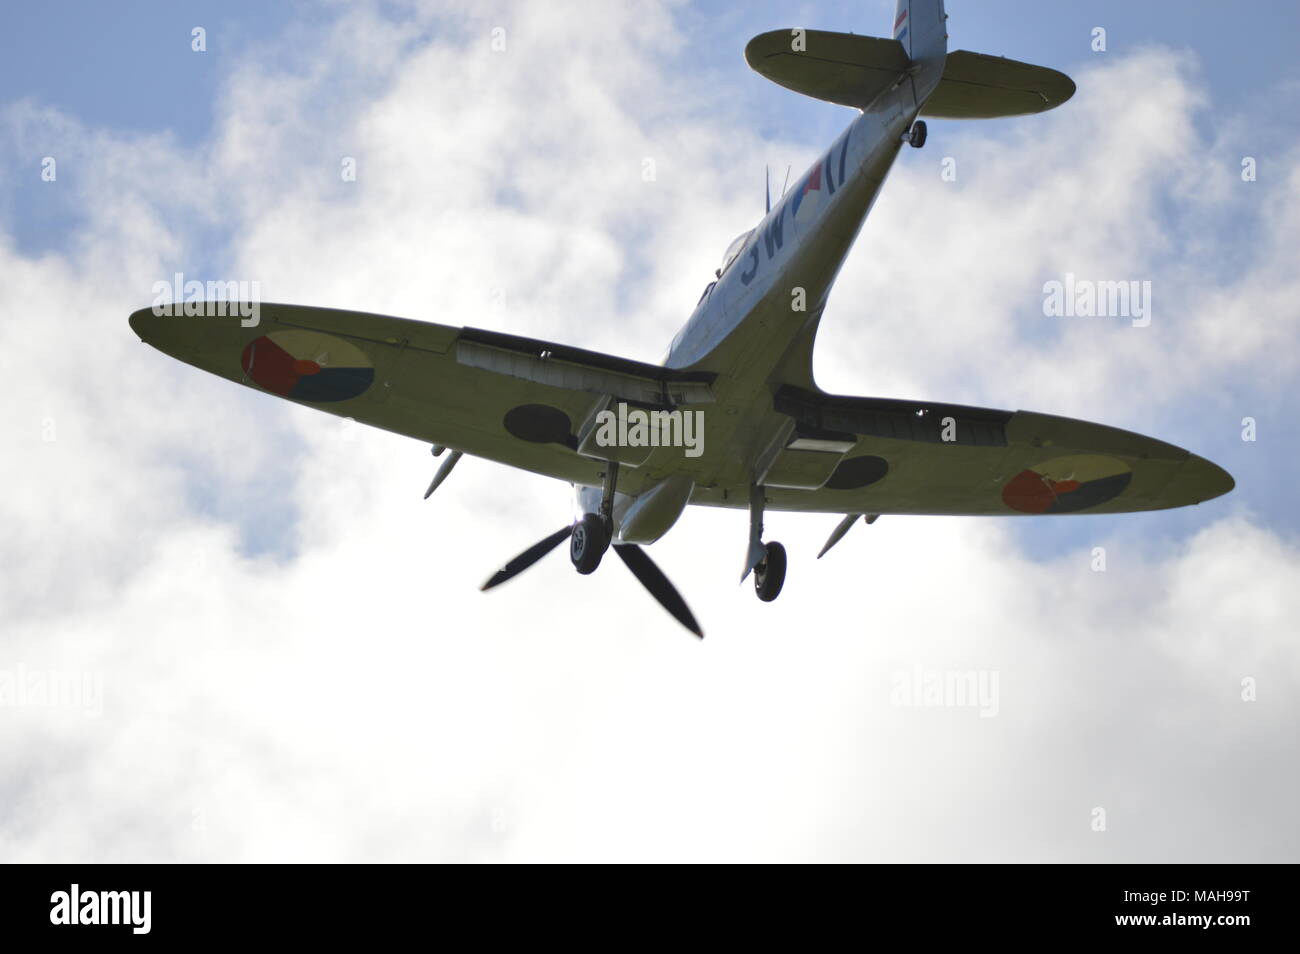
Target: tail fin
921,27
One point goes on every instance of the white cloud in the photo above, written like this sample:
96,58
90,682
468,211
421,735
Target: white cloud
346,693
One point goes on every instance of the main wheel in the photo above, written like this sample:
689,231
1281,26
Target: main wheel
917,139
588,543
769,575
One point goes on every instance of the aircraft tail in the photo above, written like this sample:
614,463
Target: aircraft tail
921,27
855,70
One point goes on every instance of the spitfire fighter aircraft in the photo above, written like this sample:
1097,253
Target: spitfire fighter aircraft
741,366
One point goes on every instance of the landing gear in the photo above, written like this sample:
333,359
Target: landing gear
916,138
594,532
769,575
766,560
588,542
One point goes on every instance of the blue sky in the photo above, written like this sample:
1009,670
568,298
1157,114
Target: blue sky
292,645
130,65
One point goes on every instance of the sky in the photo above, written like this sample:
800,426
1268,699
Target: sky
231,630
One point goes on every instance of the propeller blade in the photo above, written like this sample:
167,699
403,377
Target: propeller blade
653,579
767,179
527,558
443,471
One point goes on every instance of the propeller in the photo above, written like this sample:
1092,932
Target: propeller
767,181
653,579
634,558
527,558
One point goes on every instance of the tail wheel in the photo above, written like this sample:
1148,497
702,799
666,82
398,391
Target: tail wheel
769,575
917,137
588,543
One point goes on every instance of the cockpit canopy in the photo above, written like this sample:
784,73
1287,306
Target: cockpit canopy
734,250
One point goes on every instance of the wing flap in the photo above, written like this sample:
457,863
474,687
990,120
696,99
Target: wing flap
594,373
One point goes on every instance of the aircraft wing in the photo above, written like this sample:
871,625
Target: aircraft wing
530,404
877,455
514,400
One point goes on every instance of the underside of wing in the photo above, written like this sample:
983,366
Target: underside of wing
533,405
874,455
517,401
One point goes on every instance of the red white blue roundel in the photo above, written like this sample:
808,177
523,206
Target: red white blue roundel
307,366
1067,484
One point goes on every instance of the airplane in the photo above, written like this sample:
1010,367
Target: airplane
741,365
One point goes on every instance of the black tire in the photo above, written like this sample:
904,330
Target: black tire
588,543
918,134
769,575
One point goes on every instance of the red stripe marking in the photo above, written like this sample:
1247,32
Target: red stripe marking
814,180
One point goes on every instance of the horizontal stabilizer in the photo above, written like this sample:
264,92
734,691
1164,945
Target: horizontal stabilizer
853,70
839,68
976,86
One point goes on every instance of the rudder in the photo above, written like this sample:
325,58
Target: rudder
921,27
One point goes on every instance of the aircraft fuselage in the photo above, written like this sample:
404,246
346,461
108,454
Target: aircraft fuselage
754,327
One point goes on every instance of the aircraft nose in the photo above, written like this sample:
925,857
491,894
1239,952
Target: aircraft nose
1198,480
